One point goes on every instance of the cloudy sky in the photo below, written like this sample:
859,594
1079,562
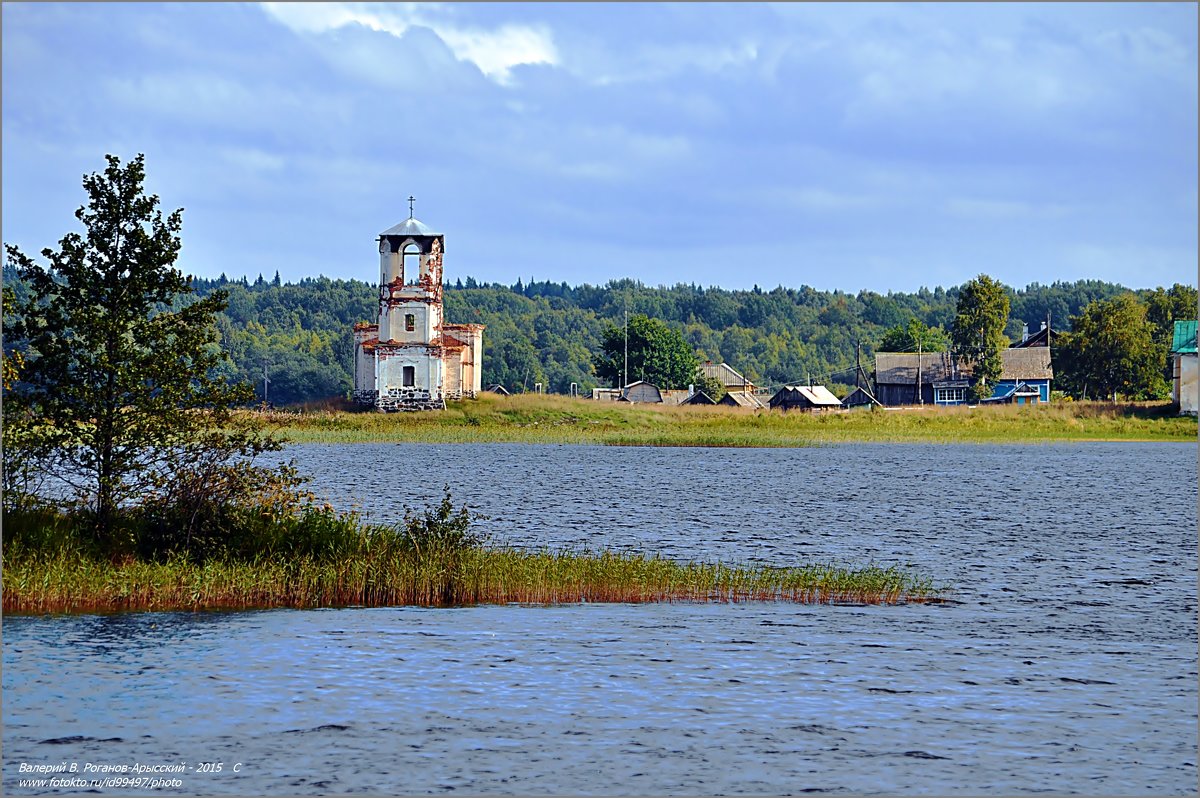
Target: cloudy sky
839,146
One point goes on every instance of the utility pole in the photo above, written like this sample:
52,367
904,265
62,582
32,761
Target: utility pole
920,394
857,362
625,383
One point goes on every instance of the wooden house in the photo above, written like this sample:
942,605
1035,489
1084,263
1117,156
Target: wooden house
805,397
933,378
727,376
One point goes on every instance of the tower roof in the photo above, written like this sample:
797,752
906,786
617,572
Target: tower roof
409,227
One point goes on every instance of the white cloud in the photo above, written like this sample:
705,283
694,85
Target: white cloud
656,62
495,51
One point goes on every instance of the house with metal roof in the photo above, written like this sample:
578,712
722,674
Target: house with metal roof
934,378
805,397
1183,366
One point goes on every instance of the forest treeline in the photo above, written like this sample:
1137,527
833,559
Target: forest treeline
551,332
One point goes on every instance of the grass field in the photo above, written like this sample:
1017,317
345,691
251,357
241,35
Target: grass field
555,419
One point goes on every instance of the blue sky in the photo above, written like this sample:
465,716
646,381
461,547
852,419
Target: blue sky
854,146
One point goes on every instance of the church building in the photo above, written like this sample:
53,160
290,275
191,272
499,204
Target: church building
411,358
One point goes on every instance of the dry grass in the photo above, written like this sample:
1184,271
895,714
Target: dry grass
555,419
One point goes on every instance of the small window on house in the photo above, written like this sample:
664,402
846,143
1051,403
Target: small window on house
410,322
950,395
410,376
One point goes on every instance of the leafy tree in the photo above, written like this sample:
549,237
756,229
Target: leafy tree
657,354
118,396
978,332
710,386
914,336
1111,350
1165,307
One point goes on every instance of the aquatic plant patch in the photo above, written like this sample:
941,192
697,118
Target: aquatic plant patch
66,582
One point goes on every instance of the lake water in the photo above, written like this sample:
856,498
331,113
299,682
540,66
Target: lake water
1066,662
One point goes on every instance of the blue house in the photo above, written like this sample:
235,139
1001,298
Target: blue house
1026,376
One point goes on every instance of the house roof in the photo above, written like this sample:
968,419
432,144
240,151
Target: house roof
1032,363
742,400
817,395
641,388
1046,336
723,372
698,398
859,396
1184,340
673,396
900,368
409,227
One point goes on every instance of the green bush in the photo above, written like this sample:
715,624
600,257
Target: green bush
440,530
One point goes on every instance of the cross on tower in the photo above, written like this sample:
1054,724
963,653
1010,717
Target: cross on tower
411,200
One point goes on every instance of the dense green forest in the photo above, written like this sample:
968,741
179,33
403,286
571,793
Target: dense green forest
550,332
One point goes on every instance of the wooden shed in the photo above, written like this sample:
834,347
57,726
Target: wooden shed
641,391
859,397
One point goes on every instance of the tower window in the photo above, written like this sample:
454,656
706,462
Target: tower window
412,264
410,322
410,376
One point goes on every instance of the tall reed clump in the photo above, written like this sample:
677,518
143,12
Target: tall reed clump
312,556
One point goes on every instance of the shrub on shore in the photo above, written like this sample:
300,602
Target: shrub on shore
312,556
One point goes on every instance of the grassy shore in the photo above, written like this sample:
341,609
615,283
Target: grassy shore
554,419
72,583
304,555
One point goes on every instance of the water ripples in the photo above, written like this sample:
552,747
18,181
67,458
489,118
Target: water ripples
1067,662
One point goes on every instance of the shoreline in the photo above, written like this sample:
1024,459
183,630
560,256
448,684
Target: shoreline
548,419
